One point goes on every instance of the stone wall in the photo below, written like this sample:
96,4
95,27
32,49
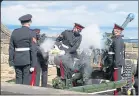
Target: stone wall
7,72
4,53
5,36
131,52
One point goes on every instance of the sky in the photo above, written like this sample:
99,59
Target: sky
55,16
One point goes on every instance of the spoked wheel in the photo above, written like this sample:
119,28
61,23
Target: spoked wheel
127,75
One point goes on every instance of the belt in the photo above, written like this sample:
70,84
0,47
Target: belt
111,53
65,46
22,49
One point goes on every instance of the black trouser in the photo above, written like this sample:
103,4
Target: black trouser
43,71
136,85
44,75
38,69
43,62
22,74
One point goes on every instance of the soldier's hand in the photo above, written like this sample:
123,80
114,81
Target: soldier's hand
11,64
62,53
31,69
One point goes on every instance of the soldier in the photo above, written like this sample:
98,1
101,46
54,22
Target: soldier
44,68
38,66
136,80
68,41
118,48
42,64
22,51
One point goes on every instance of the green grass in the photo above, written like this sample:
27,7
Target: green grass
11,81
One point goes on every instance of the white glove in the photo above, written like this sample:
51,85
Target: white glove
62,52
115,68
31,69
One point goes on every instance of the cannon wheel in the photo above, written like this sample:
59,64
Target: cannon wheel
127,75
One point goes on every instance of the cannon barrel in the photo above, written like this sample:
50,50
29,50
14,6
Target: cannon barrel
99,87
129,18
42,38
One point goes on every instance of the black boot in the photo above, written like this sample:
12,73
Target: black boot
58,72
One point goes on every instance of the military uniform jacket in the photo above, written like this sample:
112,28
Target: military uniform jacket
22,38
71,40
118,48
136,74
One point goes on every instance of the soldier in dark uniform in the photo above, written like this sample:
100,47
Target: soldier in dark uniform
42,65
136,80
118,48
22,51
38,66
44,68
69,41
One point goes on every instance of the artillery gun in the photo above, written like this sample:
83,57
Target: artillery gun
97,64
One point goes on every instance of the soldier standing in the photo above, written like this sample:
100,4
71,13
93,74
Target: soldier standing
22,51
38,66
69,41
118,48
136,80
42,65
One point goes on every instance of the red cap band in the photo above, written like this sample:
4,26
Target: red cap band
37,30
118,27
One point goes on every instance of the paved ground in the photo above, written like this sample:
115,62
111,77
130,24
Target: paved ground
7,73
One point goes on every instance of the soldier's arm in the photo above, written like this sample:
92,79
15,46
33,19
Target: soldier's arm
42,38
136,74
75,45
33,49
117,52
60,37
11,51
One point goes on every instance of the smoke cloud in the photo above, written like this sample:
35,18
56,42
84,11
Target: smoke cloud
47,45
91,36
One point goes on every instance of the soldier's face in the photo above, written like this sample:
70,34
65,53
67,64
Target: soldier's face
76,30
117,32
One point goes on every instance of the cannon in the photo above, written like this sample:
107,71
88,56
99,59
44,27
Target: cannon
99,87
93,67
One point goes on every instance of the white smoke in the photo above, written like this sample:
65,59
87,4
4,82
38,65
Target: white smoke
47,45
91,36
